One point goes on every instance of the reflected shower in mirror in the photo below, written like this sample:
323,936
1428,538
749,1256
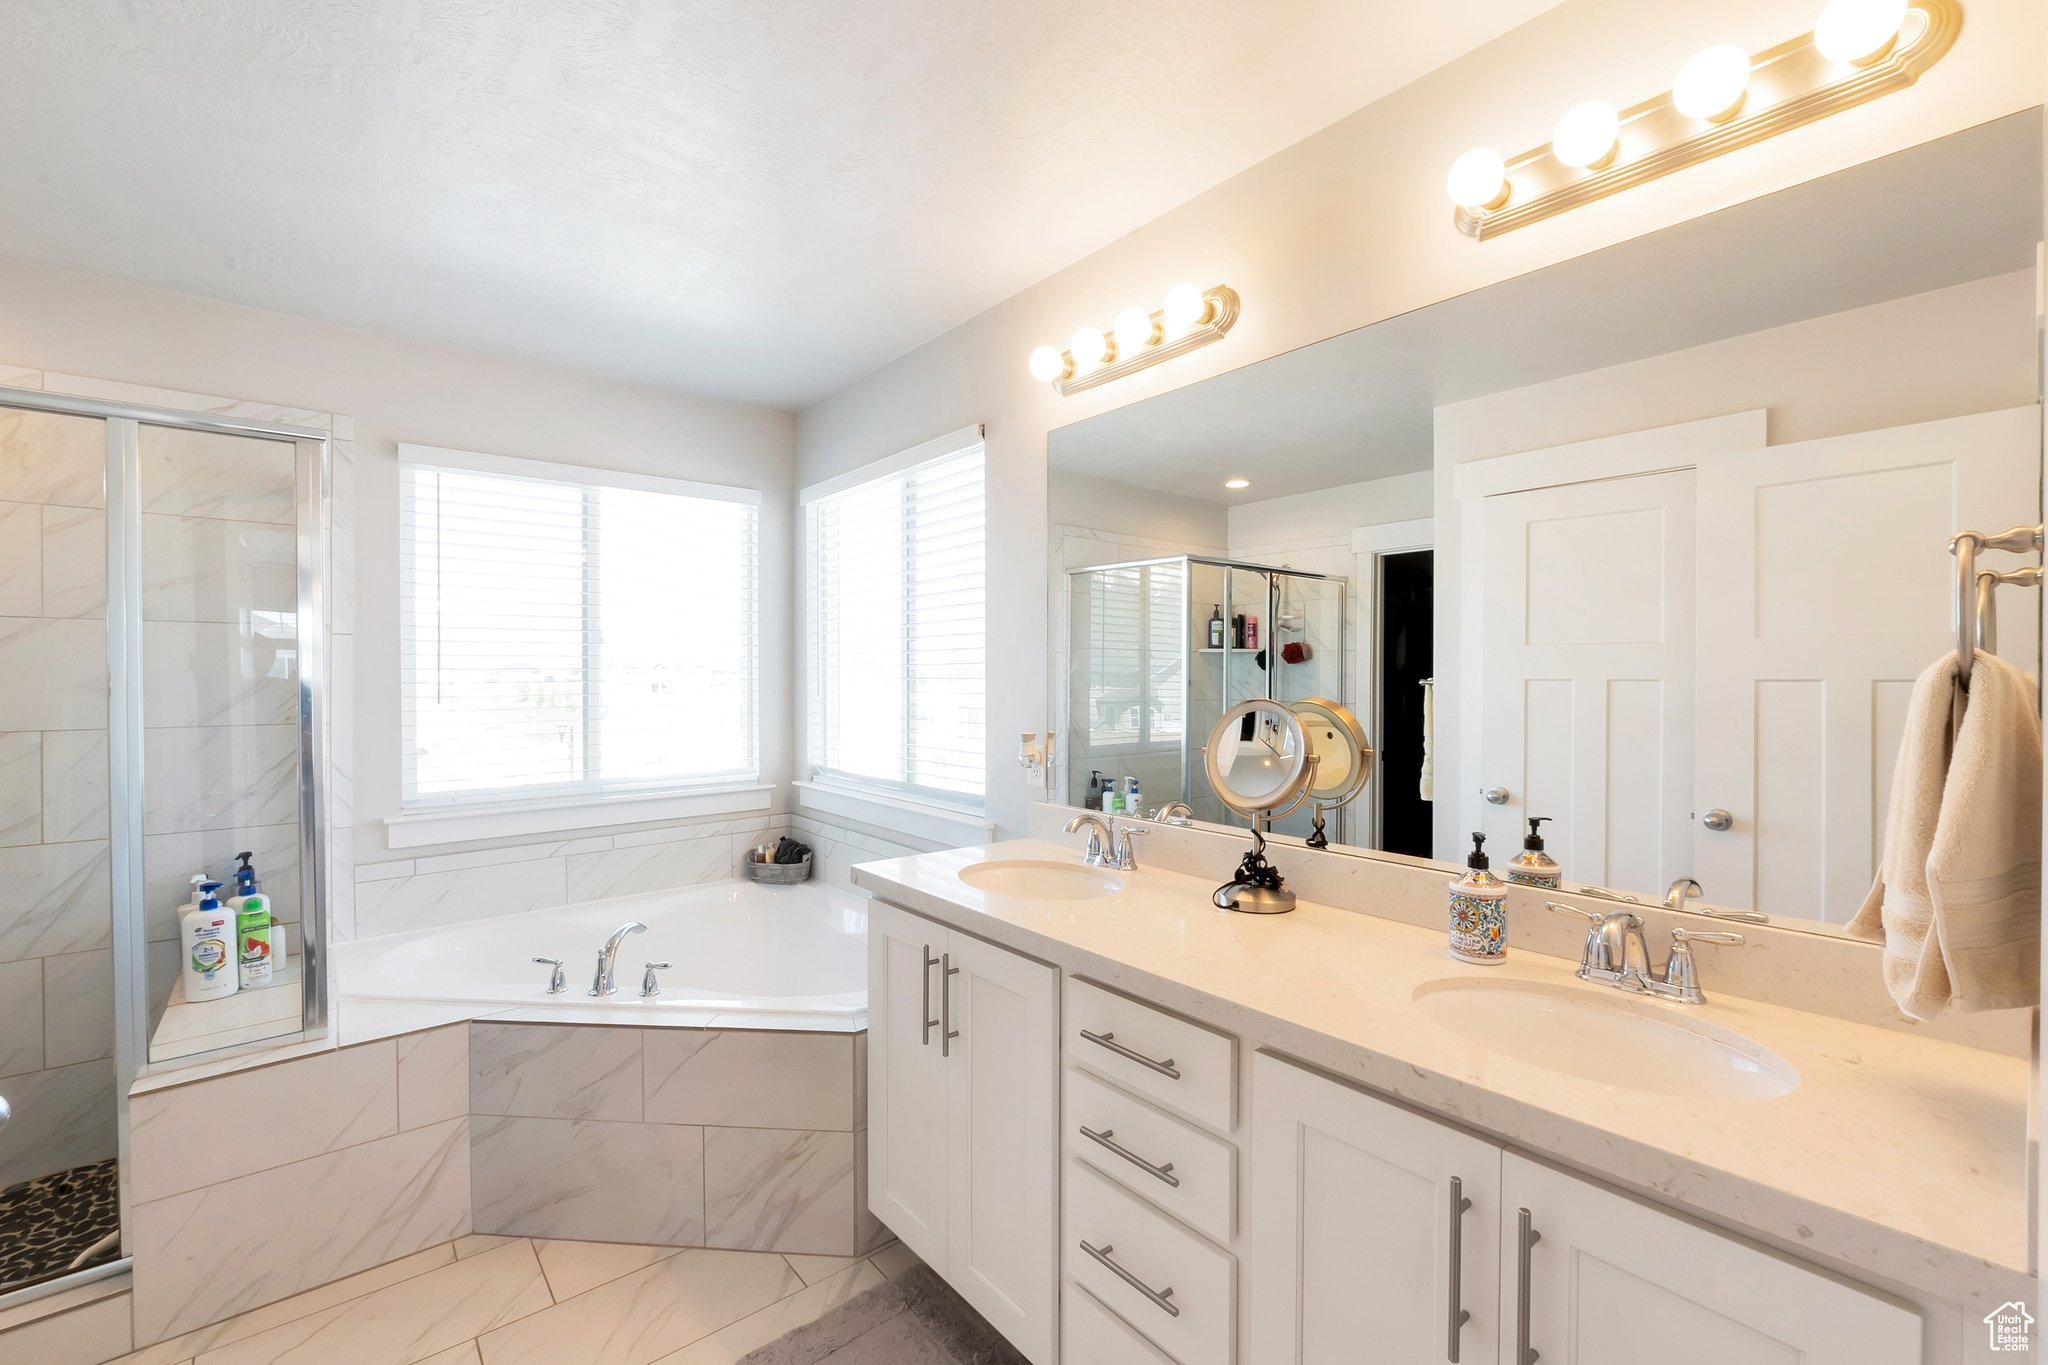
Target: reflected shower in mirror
1650,544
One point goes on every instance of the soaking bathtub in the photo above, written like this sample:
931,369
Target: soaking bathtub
740,951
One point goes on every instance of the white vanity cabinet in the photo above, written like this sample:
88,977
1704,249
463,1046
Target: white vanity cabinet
963,1116
1354,1239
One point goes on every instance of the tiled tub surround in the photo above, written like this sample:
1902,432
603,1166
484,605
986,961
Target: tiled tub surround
251,1187
744,1139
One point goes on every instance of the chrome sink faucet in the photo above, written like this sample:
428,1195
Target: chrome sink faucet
1681,890
1103,837
607,982
1617,955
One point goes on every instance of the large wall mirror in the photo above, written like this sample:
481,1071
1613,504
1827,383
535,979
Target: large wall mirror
1652,543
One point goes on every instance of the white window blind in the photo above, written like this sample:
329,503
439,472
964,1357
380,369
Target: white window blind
897,625
1129,625
564,640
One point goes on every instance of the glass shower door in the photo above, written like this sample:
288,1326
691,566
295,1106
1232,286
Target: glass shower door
220,709
59,1202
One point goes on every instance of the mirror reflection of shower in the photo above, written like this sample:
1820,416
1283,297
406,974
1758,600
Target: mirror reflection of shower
1159,649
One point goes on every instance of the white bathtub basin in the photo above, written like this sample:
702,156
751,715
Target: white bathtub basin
737,948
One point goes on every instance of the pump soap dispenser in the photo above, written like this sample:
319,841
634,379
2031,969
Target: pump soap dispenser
1532,866
1479,912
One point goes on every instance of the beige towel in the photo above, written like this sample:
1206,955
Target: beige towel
1957,899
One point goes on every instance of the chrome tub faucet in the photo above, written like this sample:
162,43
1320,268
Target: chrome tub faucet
607,982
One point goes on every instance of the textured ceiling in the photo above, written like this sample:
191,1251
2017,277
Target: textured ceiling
756,199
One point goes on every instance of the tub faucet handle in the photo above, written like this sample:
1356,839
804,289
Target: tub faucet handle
558,980
649,987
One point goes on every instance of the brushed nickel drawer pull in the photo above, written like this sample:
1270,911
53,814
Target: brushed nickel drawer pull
924,1012
1105,1139
1108,1040
1526,1237
1159,1297
1459,1313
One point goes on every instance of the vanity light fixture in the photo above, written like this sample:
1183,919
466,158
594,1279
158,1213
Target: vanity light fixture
1189,317
1721,99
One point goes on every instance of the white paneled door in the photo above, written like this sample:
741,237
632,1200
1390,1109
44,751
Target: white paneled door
1587,688
1825,588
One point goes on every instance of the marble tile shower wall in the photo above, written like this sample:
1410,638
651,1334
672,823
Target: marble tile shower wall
56,934
448,888
219,751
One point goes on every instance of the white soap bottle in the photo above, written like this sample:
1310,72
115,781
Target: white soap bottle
206,942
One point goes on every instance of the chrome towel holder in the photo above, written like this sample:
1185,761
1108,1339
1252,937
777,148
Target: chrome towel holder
1976,615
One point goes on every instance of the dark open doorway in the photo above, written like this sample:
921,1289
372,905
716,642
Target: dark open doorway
1406,651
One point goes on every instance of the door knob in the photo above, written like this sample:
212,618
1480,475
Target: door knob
1495,796
1718,820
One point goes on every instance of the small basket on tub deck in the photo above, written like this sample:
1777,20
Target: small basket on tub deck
783,863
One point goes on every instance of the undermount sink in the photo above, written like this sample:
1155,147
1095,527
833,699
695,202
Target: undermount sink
1033,879
1600,1035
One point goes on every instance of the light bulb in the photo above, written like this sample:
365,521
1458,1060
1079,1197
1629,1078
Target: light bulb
1135,330
1858,30
1478,180
1089,346
1186,306
1234,484
1586,135
1711,85
1047,364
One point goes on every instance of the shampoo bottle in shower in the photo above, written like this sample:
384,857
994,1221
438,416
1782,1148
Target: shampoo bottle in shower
252,927
1532,866
206,938
1479,911
1216,626
1251,632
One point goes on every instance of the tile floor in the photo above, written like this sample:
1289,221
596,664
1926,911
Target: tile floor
528,1301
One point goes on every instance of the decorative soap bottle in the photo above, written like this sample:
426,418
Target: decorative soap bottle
1532,866
1479,911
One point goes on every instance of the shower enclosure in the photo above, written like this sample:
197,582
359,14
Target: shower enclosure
1145,685
161,711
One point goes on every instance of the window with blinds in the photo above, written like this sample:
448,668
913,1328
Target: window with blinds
572,635
1128,623
896,568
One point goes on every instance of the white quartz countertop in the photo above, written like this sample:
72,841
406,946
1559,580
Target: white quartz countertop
1897,1156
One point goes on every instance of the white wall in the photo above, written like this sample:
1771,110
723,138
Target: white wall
1350,227
1967,349
404,391
1327,513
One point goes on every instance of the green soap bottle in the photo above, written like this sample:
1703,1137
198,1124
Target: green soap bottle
251,909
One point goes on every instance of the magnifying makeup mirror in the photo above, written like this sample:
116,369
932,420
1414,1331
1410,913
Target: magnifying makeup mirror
1264,759
1341,758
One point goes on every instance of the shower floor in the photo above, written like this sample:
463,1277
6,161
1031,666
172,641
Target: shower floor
54,1224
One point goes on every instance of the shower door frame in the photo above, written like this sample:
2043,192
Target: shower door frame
127,912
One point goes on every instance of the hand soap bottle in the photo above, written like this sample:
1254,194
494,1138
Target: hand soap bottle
1532,866
206,938
1479,911
252,927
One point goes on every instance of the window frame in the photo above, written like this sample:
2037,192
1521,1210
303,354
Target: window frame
920,811
452,818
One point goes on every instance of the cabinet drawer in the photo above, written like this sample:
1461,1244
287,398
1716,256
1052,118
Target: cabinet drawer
1092,1335
1182,1169
1137,1249
1167,1059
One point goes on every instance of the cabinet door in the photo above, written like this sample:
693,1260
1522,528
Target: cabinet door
1615,1282
1004,1171
906,1080
1353,1229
